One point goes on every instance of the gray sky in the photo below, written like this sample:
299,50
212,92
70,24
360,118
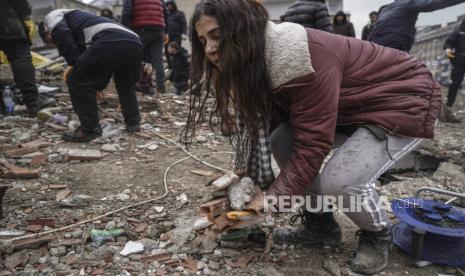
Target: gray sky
361,8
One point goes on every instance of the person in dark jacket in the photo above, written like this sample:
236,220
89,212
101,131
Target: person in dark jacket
455,50
310,14
341,26
176,21
180,67
320,83
178,26
16,30
95,48
369,27
396,24
149,19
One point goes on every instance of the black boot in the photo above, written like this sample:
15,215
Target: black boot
373,251
314,229
133,128
81,136
41,103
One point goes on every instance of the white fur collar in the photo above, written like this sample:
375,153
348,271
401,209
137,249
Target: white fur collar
287,54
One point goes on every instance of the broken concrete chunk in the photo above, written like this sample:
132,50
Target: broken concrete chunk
132,248
202,223
19,152
39,143
63,194
12,171
75,201
182,198
225,181
241,193
332,267
84,154
450,171
159,209
110,147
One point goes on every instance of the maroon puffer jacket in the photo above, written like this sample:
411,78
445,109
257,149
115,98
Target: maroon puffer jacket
147,13
355,82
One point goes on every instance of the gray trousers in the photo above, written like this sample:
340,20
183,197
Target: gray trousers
352,171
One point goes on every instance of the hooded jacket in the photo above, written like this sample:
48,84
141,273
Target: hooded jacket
12,13
176,20
396,23
344,28
456,41
310,14
356,83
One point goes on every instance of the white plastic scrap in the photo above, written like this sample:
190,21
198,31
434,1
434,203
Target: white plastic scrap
132,248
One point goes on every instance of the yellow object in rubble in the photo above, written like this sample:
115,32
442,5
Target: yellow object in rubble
3,58
37,59
237,215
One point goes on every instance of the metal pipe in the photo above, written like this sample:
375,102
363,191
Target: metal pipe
439,191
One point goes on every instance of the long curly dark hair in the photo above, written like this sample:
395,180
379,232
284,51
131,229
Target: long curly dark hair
243,82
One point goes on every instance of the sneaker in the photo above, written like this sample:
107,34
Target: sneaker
41,103
450,117
373,251
314,229
447,116
132,129
81,136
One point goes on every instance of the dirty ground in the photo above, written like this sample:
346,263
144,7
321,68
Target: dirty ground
52,184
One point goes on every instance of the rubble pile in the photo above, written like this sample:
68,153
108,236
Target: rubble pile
209,223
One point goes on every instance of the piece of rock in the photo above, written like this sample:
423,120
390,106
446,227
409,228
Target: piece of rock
58,251
109,148
123,197
159,209
202,223
132,248
62,194
182,198
332,267
13,261
240,193
84,154
12,171
149,244
449,171
225,181
75,201
213,265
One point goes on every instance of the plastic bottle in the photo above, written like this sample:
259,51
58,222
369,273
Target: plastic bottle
8,100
